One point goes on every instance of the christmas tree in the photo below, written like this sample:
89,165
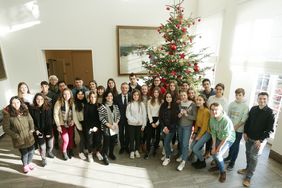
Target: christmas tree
175,59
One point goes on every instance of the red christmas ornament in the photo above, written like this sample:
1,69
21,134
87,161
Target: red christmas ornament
184,30
173,47
196,68
163,80
178,26
173,73
187,71
182,56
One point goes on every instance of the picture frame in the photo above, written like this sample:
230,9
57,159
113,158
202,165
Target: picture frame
2,68
132,44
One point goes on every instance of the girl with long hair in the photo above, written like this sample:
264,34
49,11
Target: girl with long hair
168,119
18,124
41,113
63,116
109,116
153,129
92,127
137,119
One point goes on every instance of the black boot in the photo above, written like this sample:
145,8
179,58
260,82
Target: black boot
65,156
105,159
196,163
201,164
112,156
70,153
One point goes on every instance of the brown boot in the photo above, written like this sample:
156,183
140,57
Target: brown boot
247,182
222,177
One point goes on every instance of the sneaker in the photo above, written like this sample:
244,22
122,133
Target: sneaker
137,154
230,166
179,159
65,156
90,158
166,162
163,158
43,162
31,166
131,156
99,156
26,169
222,177
181,166
247,182
242,171
82,156
50,155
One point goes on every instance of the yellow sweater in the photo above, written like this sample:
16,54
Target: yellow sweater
202,122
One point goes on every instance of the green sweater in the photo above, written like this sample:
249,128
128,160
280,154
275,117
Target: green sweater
238,113
222,129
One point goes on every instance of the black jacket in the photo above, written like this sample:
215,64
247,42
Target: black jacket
122,107
43,119
168,117
91,116
259,123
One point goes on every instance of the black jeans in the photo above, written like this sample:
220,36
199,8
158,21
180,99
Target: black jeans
56,135
123,134
134,137
153,134
109,144
82,145
93,140
27,155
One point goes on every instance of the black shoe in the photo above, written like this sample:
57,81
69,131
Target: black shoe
105,160
50,155
70,153
196,163
201,164
44,162
227,160
127,150
146,156
121,151
112,156
230,166
65,156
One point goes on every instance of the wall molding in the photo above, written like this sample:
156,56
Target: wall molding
275,156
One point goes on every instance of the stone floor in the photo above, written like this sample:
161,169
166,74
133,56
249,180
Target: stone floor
125,172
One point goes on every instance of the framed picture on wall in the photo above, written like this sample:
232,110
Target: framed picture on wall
2,68
132,44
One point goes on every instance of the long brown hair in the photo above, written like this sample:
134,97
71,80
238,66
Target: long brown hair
46,104
22,111
153,99
62,100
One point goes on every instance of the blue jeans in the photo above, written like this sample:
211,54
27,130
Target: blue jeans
234,149
252,157
27,155
184,133
167,139
218,157
196,146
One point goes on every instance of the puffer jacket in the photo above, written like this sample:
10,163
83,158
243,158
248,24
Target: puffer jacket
20,128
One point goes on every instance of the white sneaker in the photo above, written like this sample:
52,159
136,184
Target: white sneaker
99,156
90,158
137,154
166,161
82,156
131,156
181,166
163,158
179,159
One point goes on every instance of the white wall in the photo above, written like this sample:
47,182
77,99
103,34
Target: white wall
276,145
72,24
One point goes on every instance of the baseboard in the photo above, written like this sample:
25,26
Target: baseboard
275,156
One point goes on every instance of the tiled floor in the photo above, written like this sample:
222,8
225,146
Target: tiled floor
125,172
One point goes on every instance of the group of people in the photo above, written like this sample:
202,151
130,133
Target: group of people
139,118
